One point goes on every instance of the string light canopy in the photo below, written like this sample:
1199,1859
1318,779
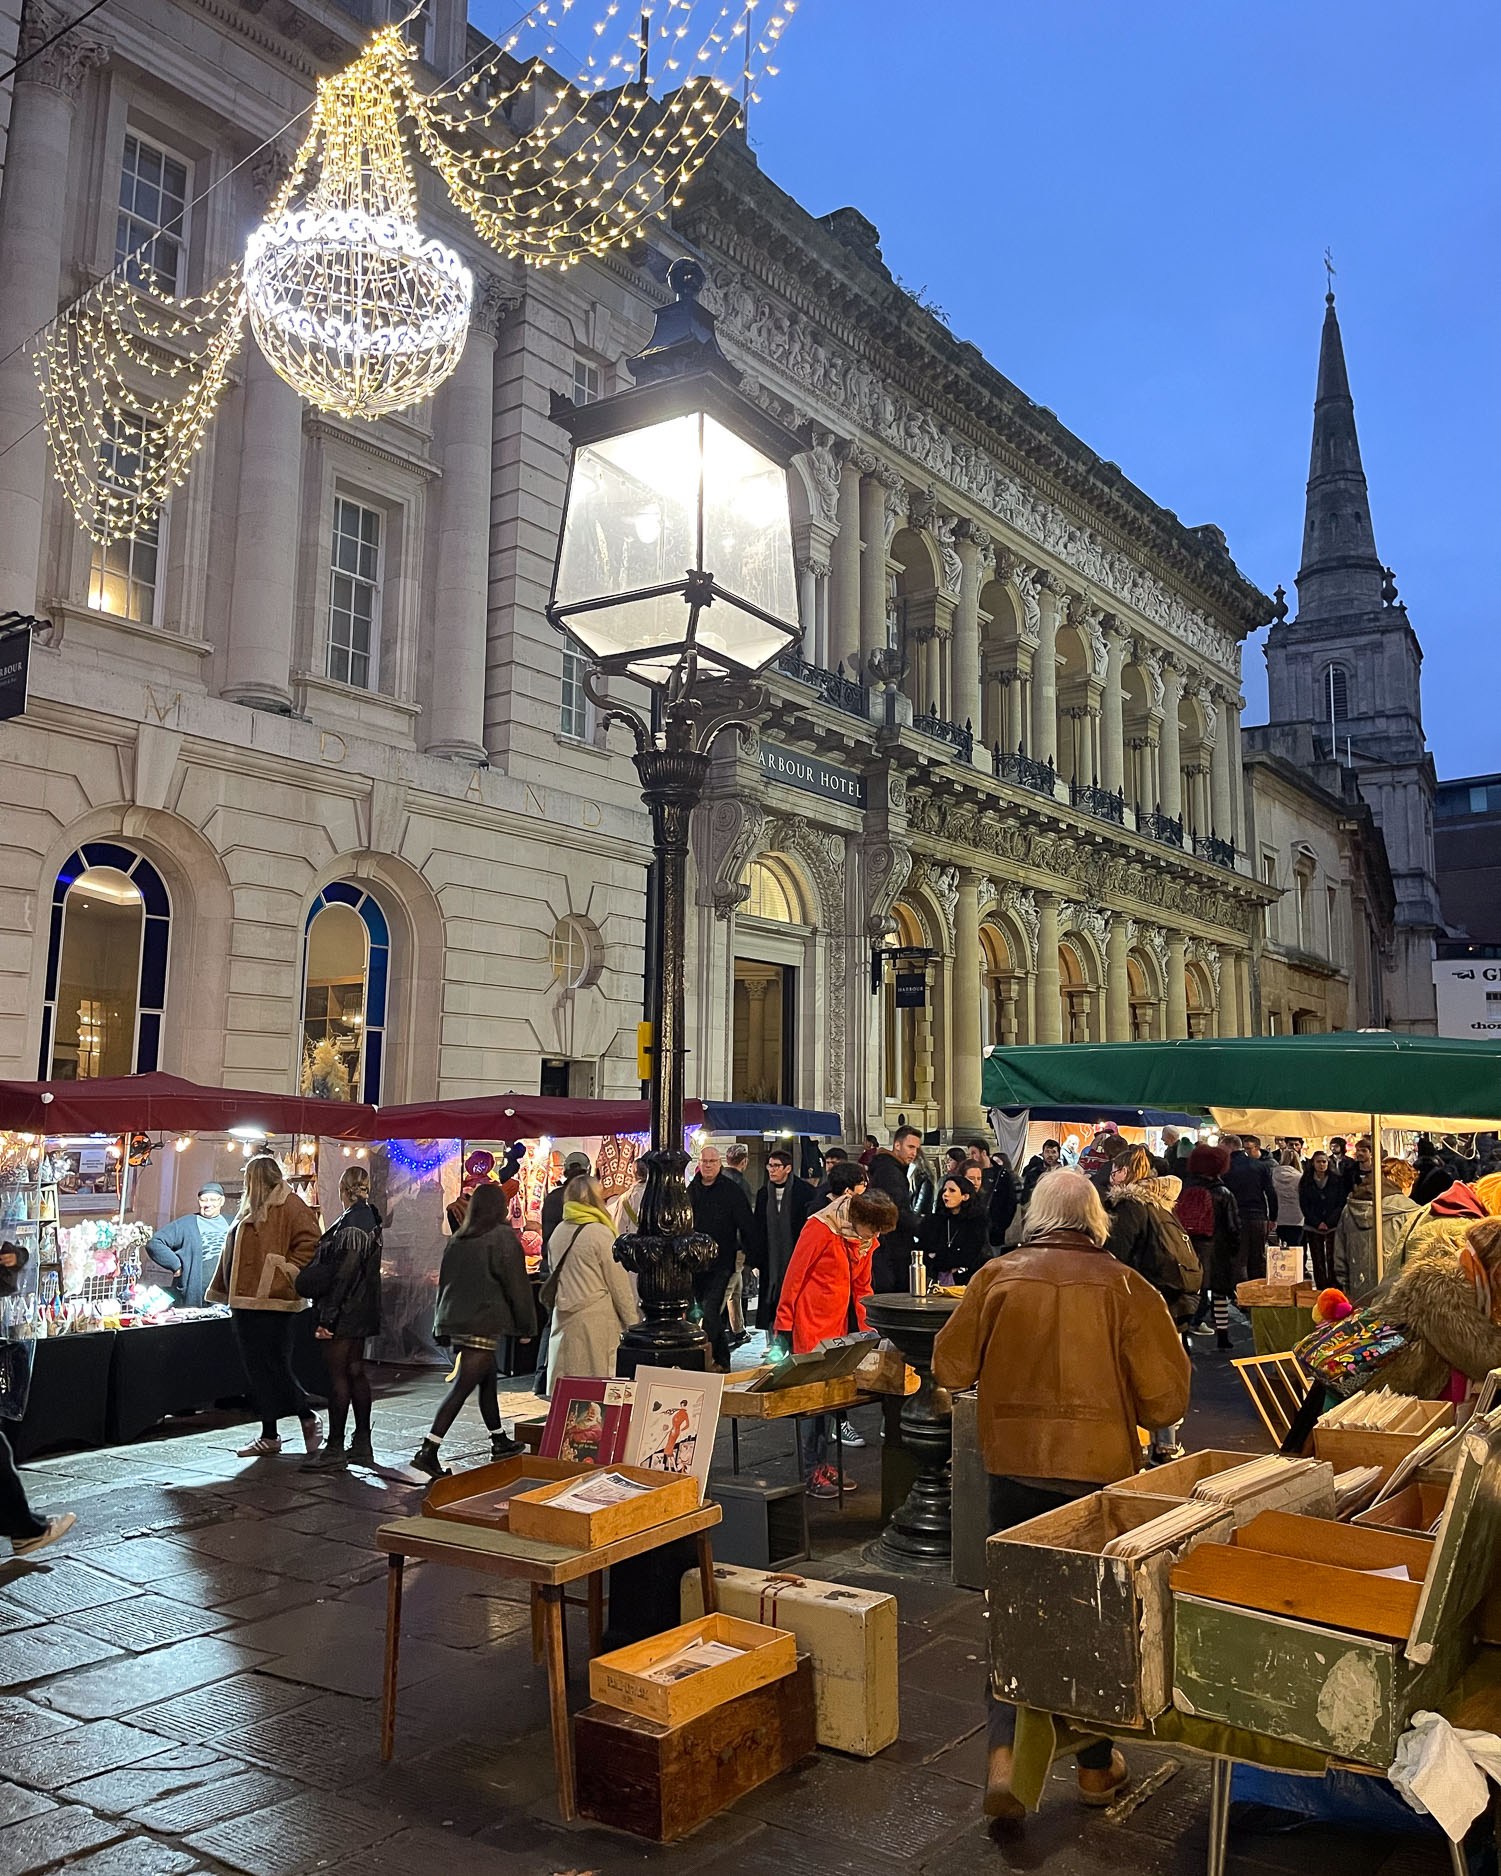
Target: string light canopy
360,312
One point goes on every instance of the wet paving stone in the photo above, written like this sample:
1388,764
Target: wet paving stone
146,1622
37,1843
230,1706
140,1680
12,1617
884,1807
21,1720
80,1752
214,1803
301,1834
68,1586
17,1802
131,1786
264,1543
33,1654
335,1741
136,1856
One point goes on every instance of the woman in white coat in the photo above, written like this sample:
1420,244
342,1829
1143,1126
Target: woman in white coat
593,1304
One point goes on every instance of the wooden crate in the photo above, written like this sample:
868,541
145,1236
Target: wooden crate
621,1679
1345,1447
1285,1632
483,1494
849,1634
1076,1633
663,1782
1311,1492
1178,1477
533,1515
1414,1509
817,1397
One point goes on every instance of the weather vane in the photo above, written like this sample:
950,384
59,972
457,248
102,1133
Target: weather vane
1329,269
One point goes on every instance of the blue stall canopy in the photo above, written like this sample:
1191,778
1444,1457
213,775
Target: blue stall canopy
1122,1116
763,1117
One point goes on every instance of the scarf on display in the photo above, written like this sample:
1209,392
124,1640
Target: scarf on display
577,1214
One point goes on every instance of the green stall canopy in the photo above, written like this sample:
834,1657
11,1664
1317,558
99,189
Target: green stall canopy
1250,1081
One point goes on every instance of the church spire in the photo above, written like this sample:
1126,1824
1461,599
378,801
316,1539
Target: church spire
1341,571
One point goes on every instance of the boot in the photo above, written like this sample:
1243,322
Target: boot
1097,1789
1000,1801
1222,1338
502,1446
361,1452
426,1459
331,1458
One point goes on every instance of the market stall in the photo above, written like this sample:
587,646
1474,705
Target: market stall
97,1347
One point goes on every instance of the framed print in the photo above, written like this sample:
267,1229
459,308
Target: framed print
588,1421
674,1421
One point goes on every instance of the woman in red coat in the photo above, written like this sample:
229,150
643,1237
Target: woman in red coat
823,1295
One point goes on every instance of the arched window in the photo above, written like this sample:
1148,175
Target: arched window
346,970
577,953
1336,700
106,982
774,893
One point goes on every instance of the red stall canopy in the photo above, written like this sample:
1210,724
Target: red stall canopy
168,1104
516,1117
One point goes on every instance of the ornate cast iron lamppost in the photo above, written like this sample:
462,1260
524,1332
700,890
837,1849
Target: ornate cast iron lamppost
675,569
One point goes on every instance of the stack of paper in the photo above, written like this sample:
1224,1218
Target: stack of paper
599,1490
1354,1490
1166,1532
1251,1479
693,1659
1378,1411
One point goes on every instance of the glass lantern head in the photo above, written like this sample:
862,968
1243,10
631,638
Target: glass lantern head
677,532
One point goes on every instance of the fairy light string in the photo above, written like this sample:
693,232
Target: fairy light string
345,297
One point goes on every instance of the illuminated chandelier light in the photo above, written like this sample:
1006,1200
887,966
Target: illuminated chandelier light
349,302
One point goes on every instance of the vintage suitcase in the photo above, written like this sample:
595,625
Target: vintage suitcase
1287,1632
663,1782
1078,1633
850,1634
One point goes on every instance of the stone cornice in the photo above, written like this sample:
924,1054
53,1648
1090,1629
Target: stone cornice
328,429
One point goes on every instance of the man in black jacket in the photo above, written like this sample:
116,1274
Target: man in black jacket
891,1173
1250,1181
783,1206
722,1211
1045,1161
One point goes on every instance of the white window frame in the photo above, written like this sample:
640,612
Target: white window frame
575,664
583,370
97,555
143,139
377,591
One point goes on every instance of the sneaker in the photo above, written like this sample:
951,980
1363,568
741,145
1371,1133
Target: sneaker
825,1483
331,1459
312,1433
1164,1455
361,1453
426,1459
259,1448
502,1446
56,1528
848,1436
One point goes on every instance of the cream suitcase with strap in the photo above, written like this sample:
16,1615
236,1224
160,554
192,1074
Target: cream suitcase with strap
850,1634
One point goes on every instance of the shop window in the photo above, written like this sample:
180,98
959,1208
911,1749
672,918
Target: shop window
123,575
576,714
773,893
151,226
354,595
577,953
346,973
106,985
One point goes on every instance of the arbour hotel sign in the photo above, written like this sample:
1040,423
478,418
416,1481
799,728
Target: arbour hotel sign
796,770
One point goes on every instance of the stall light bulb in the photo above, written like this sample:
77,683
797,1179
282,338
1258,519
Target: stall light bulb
113,1151
246,1149
182,1144
348,1152
359,1153
544,1145
34,1152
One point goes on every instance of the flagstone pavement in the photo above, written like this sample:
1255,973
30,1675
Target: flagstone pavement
190,1686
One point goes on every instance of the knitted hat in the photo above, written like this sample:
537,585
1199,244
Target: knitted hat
1209,1162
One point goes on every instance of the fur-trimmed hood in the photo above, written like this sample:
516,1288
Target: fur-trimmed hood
1160,1189
1435,1302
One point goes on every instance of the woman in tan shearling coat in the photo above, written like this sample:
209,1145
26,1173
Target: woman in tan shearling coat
273,1236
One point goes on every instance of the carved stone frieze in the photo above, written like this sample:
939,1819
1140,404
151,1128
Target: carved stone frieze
942,884
63,66
887,866
823,467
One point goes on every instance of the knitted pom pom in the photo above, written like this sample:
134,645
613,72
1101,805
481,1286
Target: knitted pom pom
1332,1306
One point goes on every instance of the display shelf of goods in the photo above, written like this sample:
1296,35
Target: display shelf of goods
561,1513
673,1677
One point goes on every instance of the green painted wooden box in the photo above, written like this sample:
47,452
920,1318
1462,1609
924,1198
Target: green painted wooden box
1338,1691
1077,1633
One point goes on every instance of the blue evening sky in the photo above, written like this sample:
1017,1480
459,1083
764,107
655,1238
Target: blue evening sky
1126,205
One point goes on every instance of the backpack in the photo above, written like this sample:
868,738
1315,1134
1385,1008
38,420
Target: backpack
1194,1210
1177,1260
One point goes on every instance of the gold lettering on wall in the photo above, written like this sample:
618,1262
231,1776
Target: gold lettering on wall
154,706
536,801
326,750
591,815
474,792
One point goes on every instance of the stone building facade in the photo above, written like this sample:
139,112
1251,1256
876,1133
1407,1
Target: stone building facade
312,755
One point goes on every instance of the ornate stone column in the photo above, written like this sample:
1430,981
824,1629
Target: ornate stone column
33,215
1169,756
1112,733
1053,610
844,595
1049,1008
1117,981
972,544
1221,808
969,1112
262,602
1233,706
1177,986
877,525
461,595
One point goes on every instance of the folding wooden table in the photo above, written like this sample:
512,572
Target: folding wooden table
548,1568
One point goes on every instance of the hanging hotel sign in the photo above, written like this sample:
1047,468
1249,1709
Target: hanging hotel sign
796,770
15,659
911,989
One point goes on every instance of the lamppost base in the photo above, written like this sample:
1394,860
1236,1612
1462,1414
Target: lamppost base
641,1348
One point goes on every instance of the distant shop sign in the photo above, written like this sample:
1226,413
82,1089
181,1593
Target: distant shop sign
795,770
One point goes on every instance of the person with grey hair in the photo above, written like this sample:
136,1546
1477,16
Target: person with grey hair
1072,1352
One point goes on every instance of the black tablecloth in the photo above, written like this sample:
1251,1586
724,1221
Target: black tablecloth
69,1400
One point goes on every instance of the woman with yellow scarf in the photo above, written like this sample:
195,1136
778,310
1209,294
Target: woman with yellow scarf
592,1301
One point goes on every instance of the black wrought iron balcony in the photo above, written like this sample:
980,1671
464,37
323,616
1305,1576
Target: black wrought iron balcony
844,693
1163,827
1219,852
1026,771
958,736
1099,801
